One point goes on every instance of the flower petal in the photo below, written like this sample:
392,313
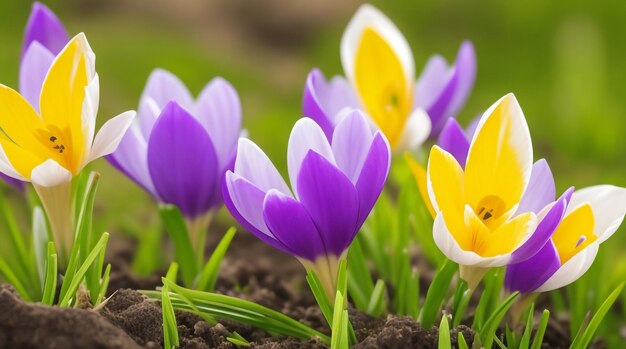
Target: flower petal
540,191
110,135
500,158
465,66
432,81
19,122
50,174
33,69
306,135
528,275
291,224
572,269
44,26
252,164
182,161
218,109
351,144
452,139
331,200
608,204
373,175
416,130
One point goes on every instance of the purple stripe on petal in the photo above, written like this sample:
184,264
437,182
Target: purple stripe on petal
244,201
44,27
33,70
331,199
311,105
291,224
540,190
351,144
452,139
182,161
544,230
528,275
373,176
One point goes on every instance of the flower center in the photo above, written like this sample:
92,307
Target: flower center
489,209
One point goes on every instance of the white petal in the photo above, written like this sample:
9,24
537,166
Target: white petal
110,135
451,249
252,164
572,269
306,135
608,203
7,168
367,16
351,143
50,174
416,131
90,109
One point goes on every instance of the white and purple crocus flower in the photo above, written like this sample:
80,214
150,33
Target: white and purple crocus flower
334,186
44,38
566,241
179,148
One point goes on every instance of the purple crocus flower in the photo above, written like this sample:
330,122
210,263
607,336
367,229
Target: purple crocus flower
178,148
334,186
44,38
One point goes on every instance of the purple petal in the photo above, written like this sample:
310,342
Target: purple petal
452,139
471,128
540,190
244,200
161,88
253,165
15,183
218,109
291,224
544,230
373,176
528,275
439,109
431,82
351,144
311,106
331,199
44,27
33,70
182,161
131,158
465,65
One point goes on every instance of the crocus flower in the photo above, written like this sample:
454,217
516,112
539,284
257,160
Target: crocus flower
178,148
44,38
477,223
333,189
49,147
380,68
592,216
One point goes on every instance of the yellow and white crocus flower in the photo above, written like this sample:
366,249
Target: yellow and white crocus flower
50,147
378,62
476,223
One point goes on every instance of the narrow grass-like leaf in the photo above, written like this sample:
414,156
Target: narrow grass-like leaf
222,306
490,297
209,274
360,284
376,304
524,342
499,342
320,296
444,334
50,281
79,276
104,285
436,293
12,278
541,330
170,329
339,338
40,243
511,341
148,257
461,341
583,341
487,332
238,340
183,251
88,240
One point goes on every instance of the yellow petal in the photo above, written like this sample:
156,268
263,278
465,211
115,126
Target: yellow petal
500,156
62,97
19,121
445,181
575,232
419,173
507,237
22,160
382,85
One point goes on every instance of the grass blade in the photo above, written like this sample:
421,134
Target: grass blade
487,332
183,251
462,342
436,293
170,329
50,281
376,304
541,330
444,334
209,274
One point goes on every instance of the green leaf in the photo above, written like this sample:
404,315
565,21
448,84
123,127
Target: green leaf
541,330
490,297
148,255
376,304
79,276
360,285
50,281
320,296
209,274
524,342
444,334
436,293
238,340
104,285
222,306
487,332
87,240
40,243
170,329
183,251
461,341
583,341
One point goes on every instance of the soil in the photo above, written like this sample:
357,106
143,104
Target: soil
251,270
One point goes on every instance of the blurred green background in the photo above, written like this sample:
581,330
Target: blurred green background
563,59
